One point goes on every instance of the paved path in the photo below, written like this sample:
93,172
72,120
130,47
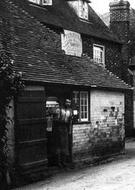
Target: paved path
116,175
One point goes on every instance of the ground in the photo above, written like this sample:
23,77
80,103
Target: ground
117,174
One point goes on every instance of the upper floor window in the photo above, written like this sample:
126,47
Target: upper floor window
41,2
80,7
83,9
99,54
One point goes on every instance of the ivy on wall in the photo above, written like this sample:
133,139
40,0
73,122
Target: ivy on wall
10,83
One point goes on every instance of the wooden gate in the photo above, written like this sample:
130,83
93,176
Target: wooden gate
30,129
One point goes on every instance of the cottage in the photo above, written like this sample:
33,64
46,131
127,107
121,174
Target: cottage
63,50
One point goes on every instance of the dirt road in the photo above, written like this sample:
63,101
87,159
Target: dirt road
116,175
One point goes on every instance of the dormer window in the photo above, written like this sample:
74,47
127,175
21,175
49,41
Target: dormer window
41,2
83,9
80,7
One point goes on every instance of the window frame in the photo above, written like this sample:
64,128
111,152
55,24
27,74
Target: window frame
103,52
87,105
81,10
77,101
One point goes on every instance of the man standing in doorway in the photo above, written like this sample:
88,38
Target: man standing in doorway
64,129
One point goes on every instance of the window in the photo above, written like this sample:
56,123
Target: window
80,103
41,2
83,9
98,54
80,7
84,106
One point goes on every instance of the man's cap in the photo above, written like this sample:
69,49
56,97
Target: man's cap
52,101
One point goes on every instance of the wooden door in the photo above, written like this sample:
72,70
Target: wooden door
31,129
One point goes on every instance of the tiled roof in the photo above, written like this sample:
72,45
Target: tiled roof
52,67
63,16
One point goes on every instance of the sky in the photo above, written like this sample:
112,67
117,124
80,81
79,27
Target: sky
102,6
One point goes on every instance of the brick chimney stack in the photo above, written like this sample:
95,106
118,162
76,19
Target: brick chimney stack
119,18
119,24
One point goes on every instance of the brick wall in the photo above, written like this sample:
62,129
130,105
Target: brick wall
105,133
113,61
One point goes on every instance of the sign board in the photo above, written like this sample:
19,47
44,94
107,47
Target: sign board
71,43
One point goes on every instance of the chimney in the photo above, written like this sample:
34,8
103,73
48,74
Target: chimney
119,18
119,24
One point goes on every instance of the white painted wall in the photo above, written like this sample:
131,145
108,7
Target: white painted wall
101,100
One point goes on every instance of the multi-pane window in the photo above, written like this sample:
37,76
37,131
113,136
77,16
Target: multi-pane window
84,106
83,9
98,54
80,103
